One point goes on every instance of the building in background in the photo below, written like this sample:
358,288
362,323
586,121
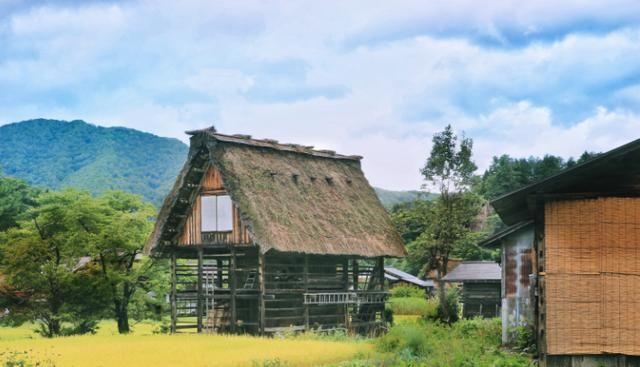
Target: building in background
480,291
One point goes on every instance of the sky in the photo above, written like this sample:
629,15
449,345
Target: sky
372,78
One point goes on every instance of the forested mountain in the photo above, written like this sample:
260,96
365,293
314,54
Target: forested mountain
390,198
56,154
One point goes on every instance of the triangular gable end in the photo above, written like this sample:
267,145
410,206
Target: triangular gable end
208,202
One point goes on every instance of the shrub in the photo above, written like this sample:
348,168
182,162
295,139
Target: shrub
525,339
403,290
473,342
412,306
406,337
447,311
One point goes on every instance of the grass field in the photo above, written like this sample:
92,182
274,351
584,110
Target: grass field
143,348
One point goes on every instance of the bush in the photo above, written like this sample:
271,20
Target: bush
403,291
405,338
448,311
473,342
412,306
525,339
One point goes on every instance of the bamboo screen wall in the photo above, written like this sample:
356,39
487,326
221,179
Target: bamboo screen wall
592,277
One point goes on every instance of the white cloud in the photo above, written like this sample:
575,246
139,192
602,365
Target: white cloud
167,67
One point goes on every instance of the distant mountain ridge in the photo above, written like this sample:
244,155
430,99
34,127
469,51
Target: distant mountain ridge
58,154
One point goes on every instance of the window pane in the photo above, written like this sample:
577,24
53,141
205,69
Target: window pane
225,213
208,213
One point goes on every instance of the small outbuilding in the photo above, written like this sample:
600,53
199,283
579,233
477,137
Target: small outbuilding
571,259
480,287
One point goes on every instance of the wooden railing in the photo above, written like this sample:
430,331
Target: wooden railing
334,298
222,238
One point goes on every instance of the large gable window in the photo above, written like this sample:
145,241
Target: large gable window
217,213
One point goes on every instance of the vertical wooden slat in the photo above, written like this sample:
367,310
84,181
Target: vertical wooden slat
306,290
356,274
381,272
200,297
345,284
232,288
197,213
261,278
172,296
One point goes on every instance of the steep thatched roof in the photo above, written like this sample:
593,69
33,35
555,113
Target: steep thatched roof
293,198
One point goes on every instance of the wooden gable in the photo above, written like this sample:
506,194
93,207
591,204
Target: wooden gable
192,233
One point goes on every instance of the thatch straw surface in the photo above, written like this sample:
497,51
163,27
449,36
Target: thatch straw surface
592,276
294,199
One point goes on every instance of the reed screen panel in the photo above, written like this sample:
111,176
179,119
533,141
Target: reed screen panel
592,263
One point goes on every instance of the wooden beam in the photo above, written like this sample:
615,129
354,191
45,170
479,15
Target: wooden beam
172,296
200,300
345,283
306,289
356,274
233,287
261,280
381,272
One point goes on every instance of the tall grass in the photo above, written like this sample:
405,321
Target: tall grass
413,306
466,343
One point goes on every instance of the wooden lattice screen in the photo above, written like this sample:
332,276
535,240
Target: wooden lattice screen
592,276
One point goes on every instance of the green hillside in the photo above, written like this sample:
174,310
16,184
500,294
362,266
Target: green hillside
390,198
57,154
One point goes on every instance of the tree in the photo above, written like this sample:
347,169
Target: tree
449,169
16,197
40,258
127,224
507,174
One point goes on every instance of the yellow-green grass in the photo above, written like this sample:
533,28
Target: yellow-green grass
28,331
145,349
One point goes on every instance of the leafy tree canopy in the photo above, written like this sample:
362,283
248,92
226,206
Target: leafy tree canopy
507,173
16,197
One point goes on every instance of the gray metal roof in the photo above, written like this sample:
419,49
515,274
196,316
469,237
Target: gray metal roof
615,171
475,271
494,240
394,274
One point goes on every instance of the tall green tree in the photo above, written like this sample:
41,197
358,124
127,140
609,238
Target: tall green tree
449,169
16,197
127,224
40,258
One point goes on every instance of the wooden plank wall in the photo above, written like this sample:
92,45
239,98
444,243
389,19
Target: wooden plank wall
212,184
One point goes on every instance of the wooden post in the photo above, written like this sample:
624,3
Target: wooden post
233,285
305,277
539,267
356,275
345,281
172,296
200,299
261,279
381,274
219,272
